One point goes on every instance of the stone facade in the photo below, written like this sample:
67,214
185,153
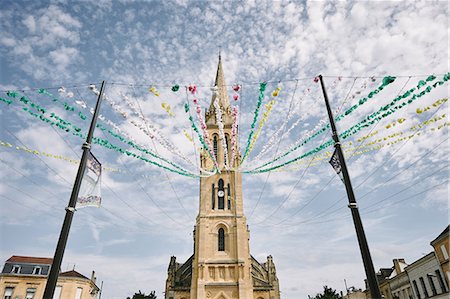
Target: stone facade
441,248
426,278
221,266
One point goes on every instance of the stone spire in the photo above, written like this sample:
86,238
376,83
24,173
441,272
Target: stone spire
221,92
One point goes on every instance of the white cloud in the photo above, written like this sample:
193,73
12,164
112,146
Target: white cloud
63,57
30,22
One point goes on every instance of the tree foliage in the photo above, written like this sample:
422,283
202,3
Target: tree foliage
328,293
143,296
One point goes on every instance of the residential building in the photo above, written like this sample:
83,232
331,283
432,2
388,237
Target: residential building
25,277
426,278
441,248
399,281
383,282
221,266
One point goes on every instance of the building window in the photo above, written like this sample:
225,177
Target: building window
221,195
213,197
229,196
221,239
15,269
441,281
78,294
424,287
215,145
8,292
37,270
57,293
433,287
444,252
416,288
30,293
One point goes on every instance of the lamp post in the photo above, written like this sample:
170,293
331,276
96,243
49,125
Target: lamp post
70,209
363,246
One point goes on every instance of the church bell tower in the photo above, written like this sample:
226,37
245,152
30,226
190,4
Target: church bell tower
221,266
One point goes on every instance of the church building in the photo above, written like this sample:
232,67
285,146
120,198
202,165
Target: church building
221,266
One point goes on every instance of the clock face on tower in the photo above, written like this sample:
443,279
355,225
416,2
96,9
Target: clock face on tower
221,193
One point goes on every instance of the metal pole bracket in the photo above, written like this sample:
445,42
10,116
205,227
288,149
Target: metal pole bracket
352,205
86,146
70,209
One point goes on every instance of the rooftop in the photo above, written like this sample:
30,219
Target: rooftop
72,273
441,235
30,260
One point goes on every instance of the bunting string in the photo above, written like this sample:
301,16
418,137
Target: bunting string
417,127
262,89
391,108
368,121
49,155
360,151
275,137
131,113
70,128
322,125
347,147
263,120
189,137
234,131
220,125
207,141
119,132
200,136
435,104
386,81
144,126
164,140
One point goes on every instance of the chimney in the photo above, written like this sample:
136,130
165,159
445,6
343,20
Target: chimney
93,278
397,266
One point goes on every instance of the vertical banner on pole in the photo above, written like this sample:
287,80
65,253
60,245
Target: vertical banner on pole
334,161
90,195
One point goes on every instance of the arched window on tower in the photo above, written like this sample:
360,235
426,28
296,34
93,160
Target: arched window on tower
213,197
228,146
221,195
215,145
221,240
229,196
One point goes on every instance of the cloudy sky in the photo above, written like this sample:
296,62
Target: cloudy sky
297,213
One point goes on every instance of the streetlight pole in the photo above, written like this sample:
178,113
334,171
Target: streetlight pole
70,209
363,246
